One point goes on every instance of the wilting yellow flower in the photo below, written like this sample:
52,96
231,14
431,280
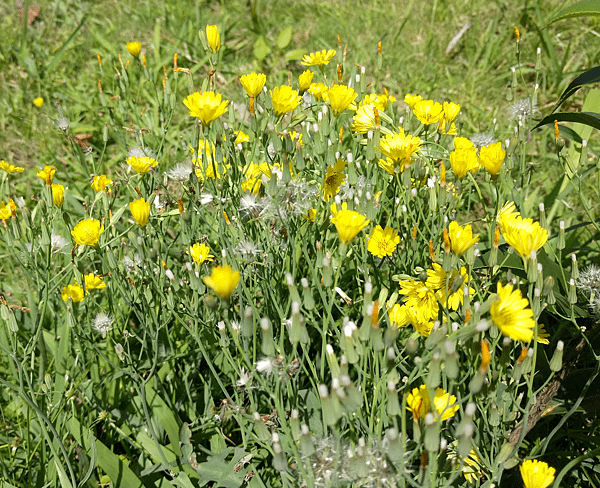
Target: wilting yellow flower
471,469
141,164
206,107
419,404
47,174
87,232
319,58
10,168
347,222
241,136
492,157
58,194
383,242
523,235
222,281
436,281
464,160
284,99
99,183
94,282
253,83
305,79
74,292
317,90
200,253
399,147
511,314
398,315
537,474
461,238
428,111
140,210
340,97
134,48
7,210
38,102
333,179
411,100
543,337
213,38
364,119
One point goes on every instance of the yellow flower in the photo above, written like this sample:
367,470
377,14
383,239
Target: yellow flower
511,315
7,210
200,253
436,281
523,235
207,106
74,292
47,174
537,474
134,48
99,183
140,210
347,222
340,97
284,99
333,179
380,101
310,215
420,299
87,232
461,238
451,111
317,90
364,119
253,175
507,209
213,38
471,469
241,136
411,100
492,157
140,165
543,336
38,102
253,83
94,282
305,79
319,58
222,281
428,111
419,404
399,315
464,160
462,143
10,168
399,147
58,194
383,242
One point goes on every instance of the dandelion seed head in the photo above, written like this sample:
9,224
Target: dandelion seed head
482,139
102,323
57,243
589,279
522,109
181,171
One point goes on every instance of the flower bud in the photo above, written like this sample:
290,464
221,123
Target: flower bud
556,361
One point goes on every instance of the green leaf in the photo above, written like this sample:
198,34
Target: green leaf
284,38
588,78
585,8
294,55
586,118
261,50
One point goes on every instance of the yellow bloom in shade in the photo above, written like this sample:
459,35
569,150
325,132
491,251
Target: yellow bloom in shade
10,168
347,222
411,100
134,48
140,210
94,282
200,253
399,147
99,183
419,403
428,111
399,315
305,79
492,157
47,174
310,215
206,107
284,99
537,474
253,83
383,242
241,136
87,232
464,160
436,281
222,281
543,336
58,194
523,235
340,97
461,238
333,179
364,119
141,164
38,102
7,210
319,58
317,90
74,292
511,314
213,37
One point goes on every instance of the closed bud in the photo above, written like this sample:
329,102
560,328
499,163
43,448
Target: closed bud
574,268
556,361
560,245
260,428
306,445
432,438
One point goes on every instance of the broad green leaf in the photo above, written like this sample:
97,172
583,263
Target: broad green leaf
284,38
590,77
261,50
294,55
585,118
585,8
